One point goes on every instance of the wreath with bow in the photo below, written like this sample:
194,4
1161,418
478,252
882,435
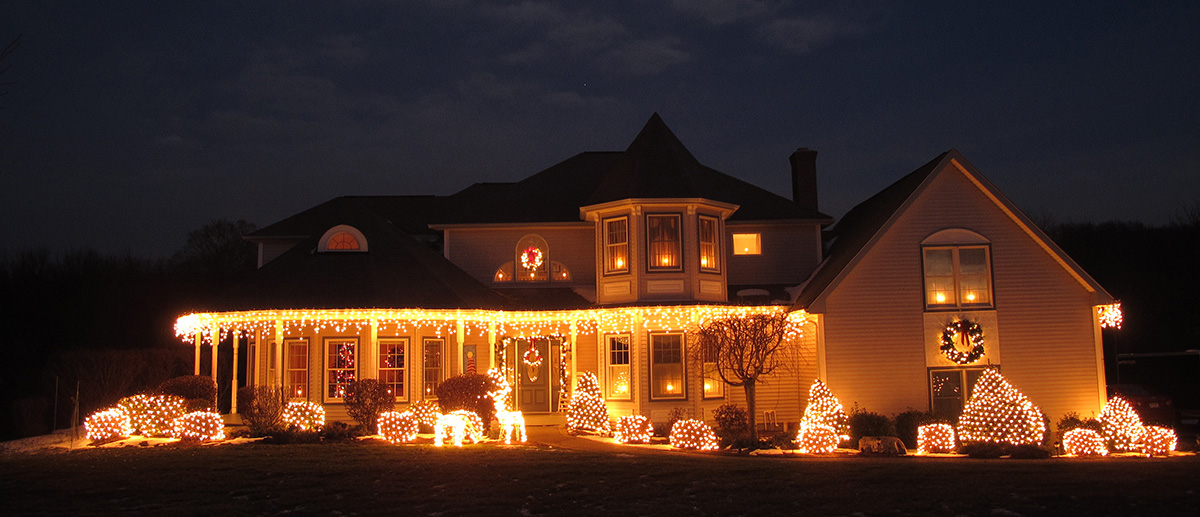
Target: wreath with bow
966,333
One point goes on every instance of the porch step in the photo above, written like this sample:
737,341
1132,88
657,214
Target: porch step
545,419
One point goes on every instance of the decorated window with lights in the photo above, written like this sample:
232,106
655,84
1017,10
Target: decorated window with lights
714,387
663,243
950,388
532,263
616,245
957,276
296,368
666,367
708,238
341,366
393,365
617,375
342,238
434,365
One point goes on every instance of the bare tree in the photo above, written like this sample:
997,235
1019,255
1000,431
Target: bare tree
4,54
743,349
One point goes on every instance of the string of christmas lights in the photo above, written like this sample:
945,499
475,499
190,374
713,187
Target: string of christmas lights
398,426
107,425
824,423
935,438
633,429
304,415
1084,442
817,438
1121,425
998,413
1111,315
458,425
1158,441
153,415
693,434
587,411
204,426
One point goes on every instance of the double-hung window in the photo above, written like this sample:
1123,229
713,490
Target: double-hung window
296,376
709,253
434,365
957,277
341,363
393,366
666,366
663,244
616,245
617,375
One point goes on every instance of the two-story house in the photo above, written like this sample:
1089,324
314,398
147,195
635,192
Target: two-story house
605,262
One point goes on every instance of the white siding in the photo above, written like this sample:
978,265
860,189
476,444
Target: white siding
480,252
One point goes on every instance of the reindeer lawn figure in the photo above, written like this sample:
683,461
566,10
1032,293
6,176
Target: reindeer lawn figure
510,421
461,424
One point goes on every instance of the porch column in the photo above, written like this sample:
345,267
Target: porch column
216,340
491,339
233,388
461,337
572,372
278,353
370,353
196,363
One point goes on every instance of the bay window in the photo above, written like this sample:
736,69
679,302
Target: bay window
616,245
666,366
663,244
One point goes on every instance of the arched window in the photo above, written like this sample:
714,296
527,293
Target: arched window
532,263
958,270
342,238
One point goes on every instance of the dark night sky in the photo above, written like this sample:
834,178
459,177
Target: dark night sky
131,123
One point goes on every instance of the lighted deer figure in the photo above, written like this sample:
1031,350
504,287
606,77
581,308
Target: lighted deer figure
462,424
511,422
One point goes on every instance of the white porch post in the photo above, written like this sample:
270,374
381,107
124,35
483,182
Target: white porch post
279,353
233,388
491,339
572,372
216,340
196,363
369,368
461,337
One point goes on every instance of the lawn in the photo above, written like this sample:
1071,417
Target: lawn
373,477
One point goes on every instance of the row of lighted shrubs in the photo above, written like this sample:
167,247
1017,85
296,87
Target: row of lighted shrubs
167,416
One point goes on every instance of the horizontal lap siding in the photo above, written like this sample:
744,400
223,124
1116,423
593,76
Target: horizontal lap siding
789,254
480,252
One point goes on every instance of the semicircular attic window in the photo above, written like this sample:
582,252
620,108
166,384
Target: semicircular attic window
342,238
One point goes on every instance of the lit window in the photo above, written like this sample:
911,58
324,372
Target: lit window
433,366
957,276
532,263
392,366
714,387
616,245
617,376
343,241
504,273
342,238
747,244
662,233
559,272
296,353
666,366
708,244
950,389
341,360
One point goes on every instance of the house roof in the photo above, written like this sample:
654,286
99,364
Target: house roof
862,225
397,272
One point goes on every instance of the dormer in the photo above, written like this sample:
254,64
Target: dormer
659,249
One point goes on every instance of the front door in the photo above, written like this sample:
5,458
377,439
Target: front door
535,375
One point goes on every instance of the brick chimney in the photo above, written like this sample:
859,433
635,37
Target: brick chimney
804,177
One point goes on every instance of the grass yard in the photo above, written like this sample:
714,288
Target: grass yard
373,477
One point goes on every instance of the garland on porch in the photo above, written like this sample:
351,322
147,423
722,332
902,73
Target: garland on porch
967,332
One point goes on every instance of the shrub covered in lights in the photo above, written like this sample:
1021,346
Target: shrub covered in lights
201,426
397,427
998,413
1120,425
426,412
935,438
817,438
823,409
1158,441
153,415
366,399
1081,441
633,429
108,425
587,411
470,392
693,434
304,416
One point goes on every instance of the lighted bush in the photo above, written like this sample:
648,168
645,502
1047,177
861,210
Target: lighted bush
261,408
153,415
587,411
825,409
732,422
426,412
676,414
633,429
693,434
907,424
998,413
200,426
469,392
1081,441
1120,425
199,390
398,427
304,415
817,438
935,438
366,399
1158,441
107,425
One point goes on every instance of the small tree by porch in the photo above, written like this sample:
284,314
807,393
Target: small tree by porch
743,349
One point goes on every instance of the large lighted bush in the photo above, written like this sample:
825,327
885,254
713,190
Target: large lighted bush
469,392
305,416
817,438
998,413
1158,441
587,411
366,399
935,438
1120,425
1081,441
693,434
153,415
199,426
398,427
633,429
107,425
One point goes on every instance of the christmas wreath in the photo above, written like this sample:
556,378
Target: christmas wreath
533,358
967,332
531,258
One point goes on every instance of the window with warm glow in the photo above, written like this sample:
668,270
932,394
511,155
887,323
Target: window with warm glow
343,241
392,366
949,389
707,227
617,375
747,244
957,277
532,263
666,366
342,238
559,272
296,353
616,245
341,362
714,387
434,365
504,273
663,245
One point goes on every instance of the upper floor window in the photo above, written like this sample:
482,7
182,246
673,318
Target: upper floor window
958,270
616,245
342,238
532,262
707,227
662,235
747,244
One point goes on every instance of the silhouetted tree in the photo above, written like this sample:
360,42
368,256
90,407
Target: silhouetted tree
216,252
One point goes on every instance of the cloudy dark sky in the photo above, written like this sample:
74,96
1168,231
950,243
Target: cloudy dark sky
130,123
